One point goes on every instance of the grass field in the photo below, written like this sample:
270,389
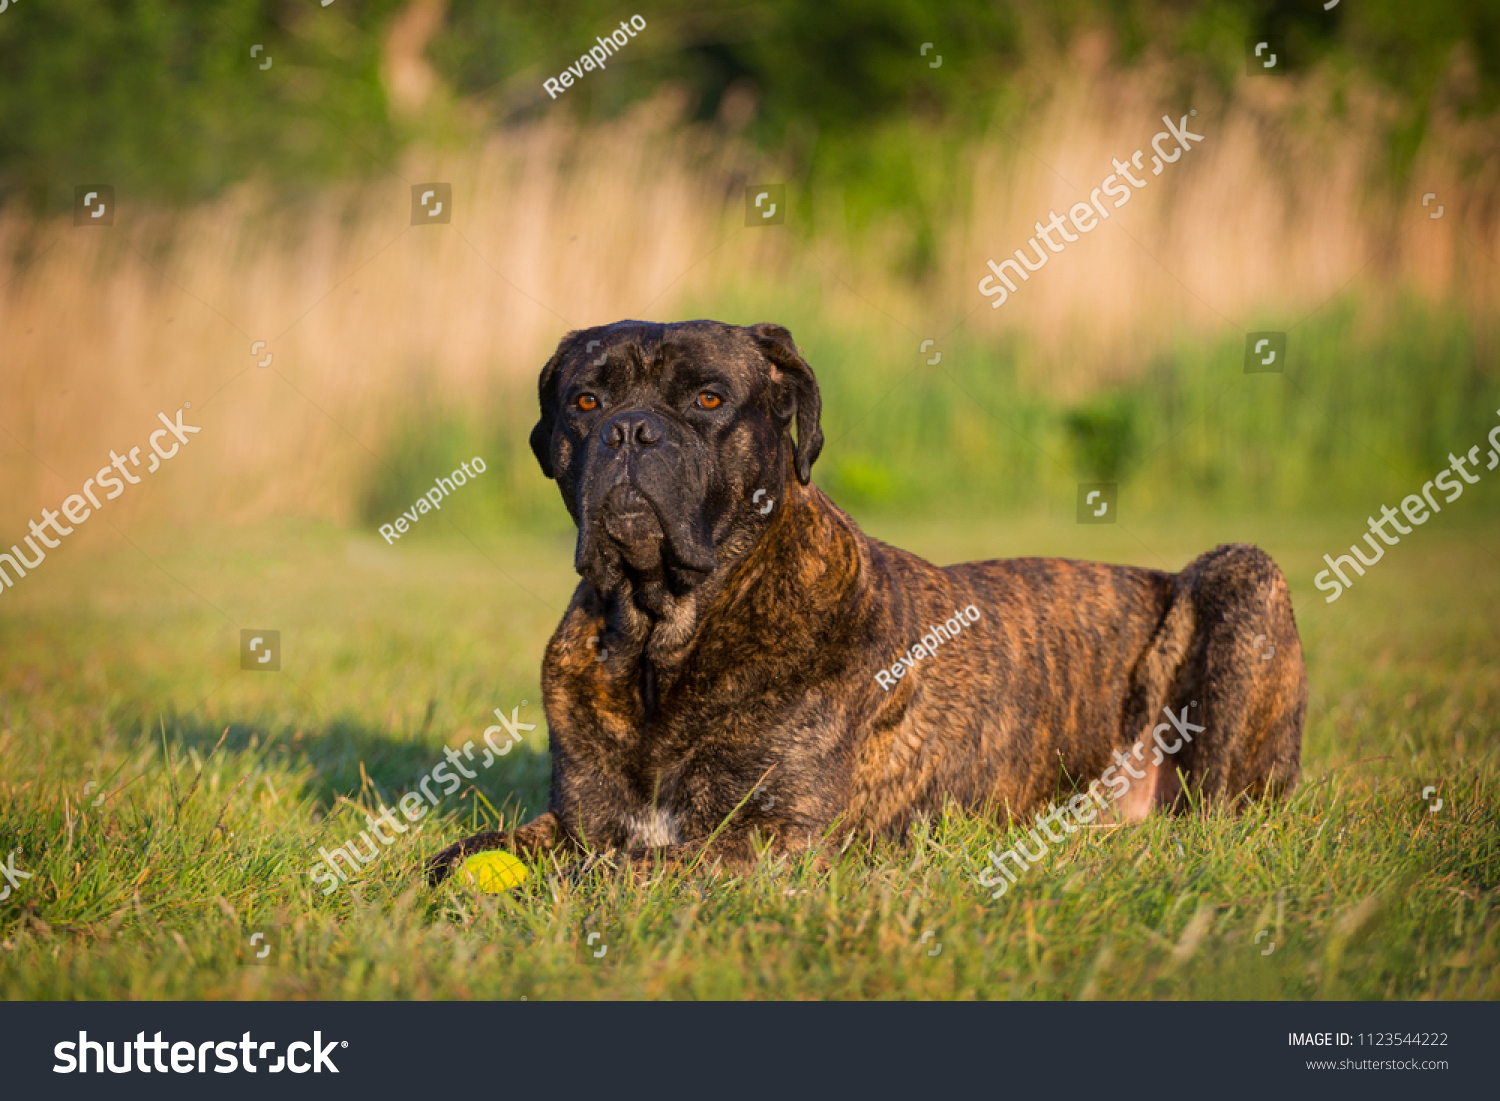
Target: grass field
121,673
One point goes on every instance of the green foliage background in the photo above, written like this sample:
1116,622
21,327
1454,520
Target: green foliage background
155,91
153,96
1370,406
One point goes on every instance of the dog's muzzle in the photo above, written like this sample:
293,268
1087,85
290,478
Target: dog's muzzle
643,501
632,524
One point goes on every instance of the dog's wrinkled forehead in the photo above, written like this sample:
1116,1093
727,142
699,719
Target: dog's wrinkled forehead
644,355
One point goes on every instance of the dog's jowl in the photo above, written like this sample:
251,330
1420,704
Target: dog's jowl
714,645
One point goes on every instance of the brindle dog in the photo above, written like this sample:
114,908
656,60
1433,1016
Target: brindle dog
724,638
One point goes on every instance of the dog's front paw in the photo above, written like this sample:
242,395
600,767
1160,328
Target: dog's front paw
439,867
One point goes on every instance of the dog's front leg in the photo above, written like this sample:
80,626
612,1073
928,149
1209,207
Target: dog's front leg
737,849
733,849
540,834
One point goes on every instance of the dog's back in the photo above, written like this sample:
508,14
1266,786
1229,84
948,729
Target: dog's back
1069,664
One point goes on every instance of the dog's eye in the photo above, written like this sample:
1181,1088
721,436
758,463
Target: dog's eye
587,402
707,400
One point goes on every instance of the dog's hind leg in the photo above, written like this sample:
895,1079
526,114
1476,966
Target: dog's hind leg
1159,788
1245,669
1150,765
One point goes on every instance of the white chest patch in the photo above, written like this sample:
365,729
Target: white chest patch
653,828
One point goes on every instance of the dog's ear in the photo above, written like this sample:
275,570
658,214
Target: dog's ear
541,435
796,393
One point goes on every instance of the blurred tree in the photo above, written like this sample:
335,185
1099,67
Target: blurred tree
164,97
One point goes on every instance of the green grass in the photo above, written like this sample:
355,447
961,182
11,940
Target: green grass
121,670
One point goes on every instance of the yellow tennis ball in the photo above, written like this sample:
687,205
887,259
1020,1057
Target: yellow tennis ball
493,871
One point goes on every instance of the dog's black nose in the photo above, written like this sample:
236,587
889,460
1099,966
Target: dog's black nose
631,428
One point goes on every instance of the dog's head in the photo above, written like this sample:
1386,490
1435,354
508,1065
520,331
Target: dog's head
659,436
